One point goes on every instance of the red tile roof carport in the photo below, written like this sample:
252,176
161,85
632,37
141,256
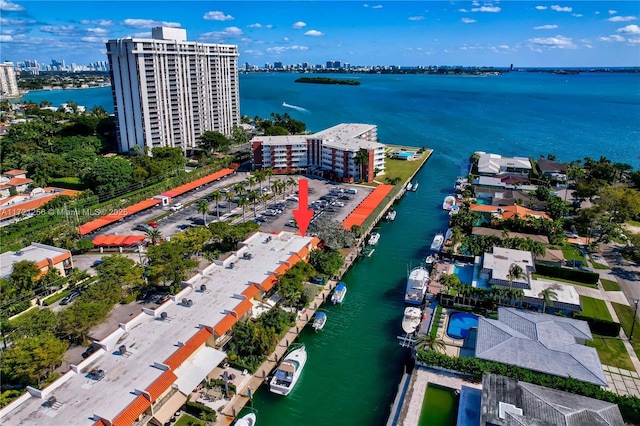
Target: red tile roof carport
225,324
367,206
269,282
117,240
161,384
185,351
196,183
132,412
111,218
251,291
243,307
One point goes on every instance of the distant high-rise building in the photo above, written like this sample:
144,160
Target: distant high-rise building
167,91
347,65
8,82
277,65
333,65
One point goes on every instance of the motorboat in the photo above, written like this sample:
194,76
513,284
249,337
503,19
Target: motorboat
414,188
339,293
429,260
449,202
417,283
248,420
409,186
319,321
391,216
411,319
374,238
288,372
437,243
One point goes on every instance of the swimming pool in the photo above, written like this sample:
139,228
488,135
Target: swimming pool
460,323
439,406
405,154
465,273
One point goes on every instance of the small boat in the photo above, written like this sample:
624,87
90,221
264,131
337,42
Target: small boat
429,260
391,216
409,186
319,321
374,238
449,202
437,243
339,293
416,286
415,187
411,319
288,372
248,420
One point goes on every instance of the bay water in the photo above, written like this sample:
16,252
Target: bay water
355,363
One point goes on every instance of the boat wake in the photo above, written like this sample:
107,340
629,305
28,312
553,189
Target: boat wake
297,108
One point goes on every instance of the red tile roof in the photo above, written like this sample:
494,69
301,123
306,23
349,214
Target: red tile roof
251,291
185,351
132,412
269,282
243,307
196,183
111,218
161,384
225,324
367,206
12,209
117,240
15,172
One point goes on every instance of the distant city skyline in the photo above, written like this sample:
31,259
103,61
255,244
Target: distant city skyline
466,33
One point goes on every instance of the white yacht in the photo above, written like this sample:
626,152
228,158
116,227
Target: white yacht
339,293
288,372
409,186
449,202
437,243
248,420
373,238
429,260
415,186
411,319
391,216
319,321
416,286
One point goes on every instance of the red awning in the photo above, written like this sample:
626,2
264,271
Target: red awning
196,183
112,218
117,240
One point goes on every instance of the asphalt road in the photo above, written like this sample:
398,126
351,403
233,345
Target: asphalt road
627,273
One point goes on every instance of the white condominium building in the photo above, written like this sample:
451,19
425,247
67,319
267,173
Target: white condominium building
8,82
167,91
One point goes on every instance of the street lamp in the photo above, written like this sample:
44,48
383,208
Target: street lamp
634,319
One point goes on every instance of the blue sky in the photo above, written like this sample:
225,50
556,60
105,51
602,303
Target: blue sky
498,33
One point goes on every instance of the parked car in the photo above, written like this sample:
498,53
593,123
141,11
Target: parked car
338,204
90,350
70,298
224,190
153,224
352,191
96,263
261,219
293,199
316,280
291,223
177,207
345,197
269,212
143,227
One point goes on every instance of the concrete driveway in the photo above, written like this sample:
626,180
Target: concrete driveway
627,273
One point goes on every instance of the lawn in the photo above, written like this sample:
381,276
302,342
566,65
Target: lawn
611,351
572,252
436,319
401,168
187,420
610,285
625,316
561,280
597,265
595,308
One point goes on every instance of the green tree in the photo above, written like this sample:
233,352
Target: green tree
127,273
556,207
154,235
548,295
31,359
217,197
211,141
515,273
619,203
361,159
240,135
326,262
193,239
331,232
107,176
23,275
168,263
203,209
276,131
430,342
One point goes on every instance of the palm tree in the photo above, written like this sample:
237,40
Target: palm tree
361,159
240,188
430,342
217,196
243,202
260,177
268,173
515,273
516,295
203,208
291,183
229,196
154,235
548,295
253,197
251,180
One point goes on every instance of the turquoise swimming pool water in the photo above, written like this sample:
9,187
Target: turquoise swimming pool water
405,154
480,282
460,323
465,273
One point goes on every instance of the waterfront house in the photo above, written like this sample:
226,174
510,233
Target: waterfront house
556,171
540,342
487,212
494,164
507,402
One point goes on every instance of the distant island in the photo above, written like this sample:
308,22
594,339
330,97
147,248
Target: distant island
326,80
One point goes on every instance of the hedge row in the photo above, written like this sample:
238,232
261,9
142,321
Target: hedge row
68,183
196,409
629,405
601,326
568,274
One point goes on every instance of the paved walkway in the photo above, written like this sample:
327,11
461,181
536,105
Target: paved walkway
621,381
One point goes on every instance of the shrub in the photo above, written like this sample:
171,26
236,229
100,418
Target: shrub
601,326
568,274
196,409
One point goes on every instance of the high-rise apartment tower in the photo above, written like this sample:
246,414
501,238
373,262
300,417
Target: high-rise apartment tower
8,82
167,91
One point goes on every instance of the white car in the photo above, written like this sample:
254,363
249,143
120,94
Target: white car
269,213
177,207
338,204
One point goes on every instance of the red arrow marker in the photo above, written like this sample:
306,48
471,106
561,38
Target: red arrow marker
303,215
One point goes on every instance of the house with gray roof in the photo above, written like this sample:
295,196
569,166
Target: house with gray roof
508,402
539,342
493,164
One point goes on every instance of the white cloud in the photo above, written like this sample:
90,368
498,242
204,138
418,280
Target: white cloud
541,7
101,22
5,37
558,8
314,33
258,25
365,5
10,7
546,27
416,18
253,52
149,23
504,46
58,29
280,49
299,25
492,9
612,12
597,12
468,20
216,15
629,29
285,38
463,10
557,42
91,39
218,35
144,34
613,37
377,6
97,31
7,21
622,18
577,15
634,40
475,3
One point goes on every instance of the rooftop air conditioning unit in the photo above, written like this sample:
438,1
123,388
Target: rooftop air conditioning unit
122,349
203,287
163,316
